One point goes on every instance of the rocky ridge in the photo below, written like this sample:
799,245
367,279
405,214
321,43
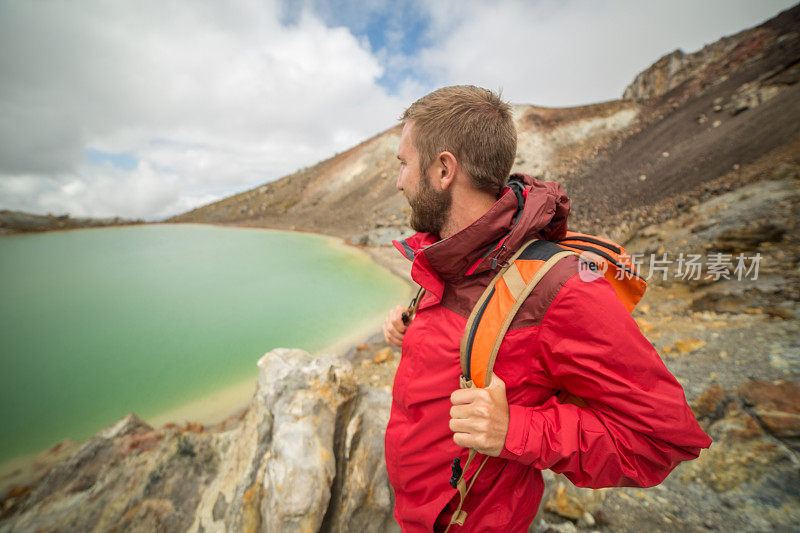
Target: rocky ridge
20,222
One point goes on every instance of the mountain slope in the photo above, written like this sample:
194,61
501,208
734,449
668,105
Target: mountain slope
355,191
735,102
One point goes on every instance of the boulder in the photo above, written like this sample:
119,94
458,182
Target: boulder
364,498
749,238
754,429
301,400
777,407
280,465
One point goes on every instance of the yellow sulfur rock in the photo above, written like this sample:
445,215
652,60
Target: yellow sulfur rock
689,344
383,355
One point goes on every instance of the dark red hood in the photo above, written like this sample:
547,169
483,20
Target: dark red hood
491,239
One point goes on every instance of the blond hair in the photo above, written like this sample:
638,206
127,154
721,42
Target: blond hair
473,124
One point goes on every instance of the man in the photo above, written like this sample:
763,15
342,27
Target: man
571,336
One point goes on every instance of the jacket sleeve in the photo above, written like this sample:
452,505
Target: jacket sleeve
635,426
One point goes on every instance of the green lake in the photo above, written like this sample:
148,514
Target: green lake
98,323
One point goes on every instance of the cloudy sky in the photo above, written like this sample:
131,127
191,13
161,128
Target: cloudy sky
147,108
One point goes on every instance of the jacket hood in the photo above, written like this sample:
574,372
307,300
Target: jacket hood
488,242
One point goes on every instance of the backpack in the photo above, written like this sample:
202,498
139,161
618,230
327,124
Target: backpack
495,309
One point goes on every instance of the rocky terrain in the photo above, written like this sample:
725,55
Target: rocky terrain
20,222
732,338
696,171
307,453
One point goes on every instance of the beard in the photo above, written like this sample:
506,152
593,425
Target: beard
429,207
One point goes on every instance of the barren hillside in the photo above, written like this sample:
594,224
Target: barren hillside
354,192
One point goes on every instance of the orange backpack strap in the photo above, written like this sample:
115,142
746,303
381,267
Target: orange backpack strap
499,303
486,327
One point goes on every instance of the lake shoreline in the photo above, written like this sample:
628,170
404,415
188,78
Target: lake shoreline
219,405
228,401
210,410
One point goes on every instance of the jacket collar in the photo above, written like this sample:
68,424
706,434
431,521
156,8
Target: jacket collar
489,241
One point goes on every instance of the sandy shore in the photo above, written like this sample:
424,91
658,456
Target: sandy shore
219,405
392,260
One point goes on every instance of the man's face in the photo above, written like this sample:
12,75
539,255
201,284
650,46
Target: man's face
430,206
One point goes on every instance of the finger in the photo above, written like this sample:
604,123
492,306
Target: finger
464,440
399,326
395,313
461,396
392,331
391,337
396,340
460,411
463,425
472,395
497,390
397,337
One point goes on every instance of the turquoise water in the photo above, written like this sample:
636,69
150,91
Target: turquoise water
98,323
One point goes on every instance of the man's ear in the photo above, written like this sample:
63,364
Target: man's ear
446,168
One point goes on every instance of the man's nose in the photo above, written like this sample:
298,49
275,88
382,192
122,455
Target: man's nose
399,181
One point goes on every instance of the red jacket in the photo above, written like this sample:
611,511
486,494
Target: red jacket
570,335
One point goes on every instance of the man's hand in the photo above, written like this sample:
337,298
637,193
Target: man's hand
479,417
393,327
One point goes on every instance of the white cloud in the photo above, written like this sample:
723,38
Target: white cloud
105,191
203,94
